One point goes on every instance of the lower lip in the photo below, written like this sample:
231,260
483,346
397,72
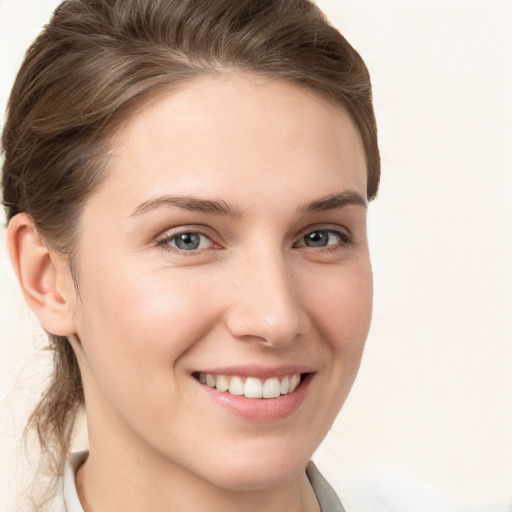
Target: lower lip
259,409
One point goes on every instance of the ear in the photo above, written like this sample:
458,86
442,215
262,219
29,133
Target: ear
44,276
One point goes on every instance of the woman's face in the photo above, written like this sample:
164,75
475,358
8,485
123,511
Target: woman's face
227,247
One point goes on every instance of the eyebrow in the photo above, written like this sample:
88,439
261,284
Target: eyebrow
219,207
193,204
335,202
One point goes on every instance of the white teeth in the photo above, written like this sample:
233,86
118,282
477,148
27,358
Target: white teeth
222,383
285,386
236,386
252,387
294,382
271,388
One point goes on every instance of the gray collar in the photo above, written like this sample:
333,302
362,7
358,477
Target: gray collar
327,498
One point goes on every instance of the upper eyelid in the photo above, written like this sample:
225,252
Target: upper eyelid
336,228
195,228
326,230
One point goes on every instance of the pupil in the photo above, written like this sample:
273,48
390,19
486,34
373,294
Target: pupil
317,239
188,241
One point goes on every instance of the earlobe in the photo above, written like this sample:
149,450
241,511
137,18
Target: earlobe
40,274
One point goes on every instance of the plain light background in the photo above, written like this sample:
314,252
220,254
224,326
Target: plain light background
428,426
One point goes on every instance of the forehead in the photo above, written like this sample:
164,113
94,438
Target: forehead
226,133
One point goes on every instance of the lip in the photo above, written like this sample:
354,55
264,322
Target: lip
258,371
259,409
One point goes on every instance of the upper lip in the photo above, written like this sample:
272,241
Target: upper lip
261,372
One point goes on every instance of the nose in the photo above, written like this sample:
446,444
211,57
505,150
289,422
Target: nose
264,302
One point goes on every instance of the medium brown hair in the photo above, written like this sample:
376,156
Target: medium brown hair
97,60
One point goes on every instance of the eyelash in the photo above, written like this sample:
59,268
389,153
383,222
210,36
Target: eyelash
165,242
344,240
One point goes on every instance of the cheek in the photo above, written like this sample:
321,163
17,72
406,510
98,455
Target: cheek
340,308
136,329
344,307
136,326
131,301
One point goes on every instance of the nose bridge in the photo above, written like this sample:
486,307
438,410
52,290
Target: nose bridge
266,304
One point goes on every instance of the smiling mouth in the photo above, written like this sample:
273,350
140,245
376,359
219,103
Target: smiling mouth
251,387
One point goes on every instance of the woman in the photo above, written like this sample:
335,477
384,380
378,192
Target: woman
186,184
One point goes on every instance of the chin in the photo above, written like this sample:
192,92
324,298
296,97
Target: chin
261,470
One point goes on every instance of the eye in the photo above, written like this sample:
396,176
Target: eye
323,238
187,241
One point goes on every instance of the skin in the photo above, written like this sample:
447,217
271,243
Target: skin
253,293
